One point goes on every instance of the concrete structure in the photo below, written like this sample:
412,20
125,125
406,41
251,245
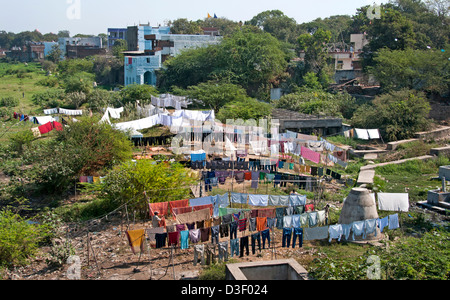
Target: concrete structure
31,51
444,172
149,47
347,60
359,206
85,44
283,269
135,36
48,47
307,124
444,151
115,34
79,51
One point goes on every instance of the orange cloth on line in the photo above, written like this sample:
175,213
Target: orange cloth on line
162,223
160,207
178,203
136,240
208,223
261,223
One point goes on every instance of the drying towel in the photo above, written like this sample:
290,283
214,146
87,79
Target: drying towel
57,126
382,223
136,240
178,204
184,239
310,155
200,215
295,200
258,200
371,226
358,229
393,222
173,238
393,201
335,232
316,233
43,129
160,207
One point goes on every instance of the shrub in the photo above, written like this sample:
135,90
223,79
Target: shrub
49,98
9,102
398,115
19,140
160,181
18,239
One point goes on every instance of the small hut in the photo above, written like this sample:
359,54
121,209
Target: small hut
359,206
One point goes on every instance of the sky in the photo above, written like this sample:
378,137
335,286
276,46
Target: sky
96,16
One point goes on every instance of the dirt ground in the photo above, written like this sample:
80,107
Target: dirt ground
108,256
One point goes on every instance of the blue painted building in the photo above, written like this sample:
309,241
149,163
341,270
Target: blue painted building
115,34
149,47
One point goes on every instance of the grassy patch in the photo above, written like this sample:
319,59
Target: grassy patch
414,177
20,81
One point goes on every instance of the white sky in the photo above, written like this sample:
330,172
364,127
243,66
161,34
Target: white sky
95,16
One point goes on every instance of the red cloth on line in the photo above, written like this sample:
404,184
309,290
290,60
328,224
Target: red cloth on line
177,203
248,175
267,212
309,207
43,129
160,207
58,126
181,210
200,207
173,238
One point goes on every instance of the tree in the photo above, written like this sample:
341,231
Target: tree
216,94
277,24
253,59
55,54
134,92
184,26
147,181
314,47
246,109
79,82
118,48
398,114
318,102
421,70
84,147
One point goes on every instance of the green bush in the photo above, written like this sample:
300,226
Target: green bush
9,102
398,115
49,98
19,240
160,181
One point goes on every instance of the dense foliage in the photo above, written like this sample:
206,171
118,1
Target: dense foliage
398,115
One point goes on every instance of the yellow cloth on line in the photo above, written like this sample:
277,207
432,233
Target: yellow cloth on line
136,240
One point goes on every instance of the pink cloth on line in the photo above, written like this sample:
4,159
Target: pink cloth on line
310,155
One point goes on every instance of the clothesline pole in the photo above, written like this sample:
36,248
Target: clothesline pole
173,265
